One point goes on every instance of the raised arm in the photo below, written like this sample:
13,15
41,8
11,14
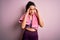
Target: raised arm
40,20
24,20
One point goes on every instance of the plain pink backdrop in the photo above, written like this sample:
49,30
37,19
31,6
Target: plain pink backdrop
13,9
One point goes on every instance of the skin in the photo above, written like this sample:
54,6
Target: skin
32,9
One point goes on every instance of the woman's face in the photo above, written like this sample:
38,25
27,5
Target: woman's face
32,10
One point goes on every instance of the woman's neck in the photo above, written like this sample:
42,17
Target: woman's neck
30,17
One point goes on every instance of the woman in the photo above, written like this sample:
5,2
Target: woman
30,22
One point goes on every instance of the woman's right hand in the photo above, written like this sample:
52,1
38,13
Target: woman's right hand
28,11
25,18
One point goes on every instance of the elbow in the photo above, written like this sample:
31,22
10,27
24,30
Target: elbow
42,25
23,25
23,28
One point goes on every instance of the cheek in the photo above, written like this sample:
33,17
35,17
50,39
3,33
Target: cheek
29,11
35,10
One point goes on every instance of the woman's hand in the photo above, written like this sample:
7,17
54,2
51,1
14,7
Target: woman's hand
28,11
37,12
24,20
40,20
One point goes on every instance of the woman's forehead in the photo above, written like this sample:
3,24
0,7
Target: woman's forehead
32,7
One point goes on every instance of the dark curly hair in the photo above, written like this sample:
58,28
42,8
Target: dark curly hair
29,4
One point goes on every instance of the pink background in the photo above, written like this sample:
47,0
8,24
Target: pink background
13,9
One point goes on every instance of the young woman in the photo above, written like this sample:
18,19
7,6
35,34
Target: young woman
30,22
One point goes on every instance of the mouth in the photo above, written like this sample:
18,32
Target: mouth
31,13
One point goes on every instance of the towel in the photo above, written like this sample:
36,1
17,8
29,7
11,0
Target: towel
35,23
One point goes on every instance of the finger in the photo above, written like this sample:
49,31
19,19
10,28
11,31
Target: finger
28,9
36,10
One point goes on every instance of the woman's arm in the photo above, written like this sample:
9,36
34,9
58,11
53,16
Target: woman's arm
24,22
24,19
40,20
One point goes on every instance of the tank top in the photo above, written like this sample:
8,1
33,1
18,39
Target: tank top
29,26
